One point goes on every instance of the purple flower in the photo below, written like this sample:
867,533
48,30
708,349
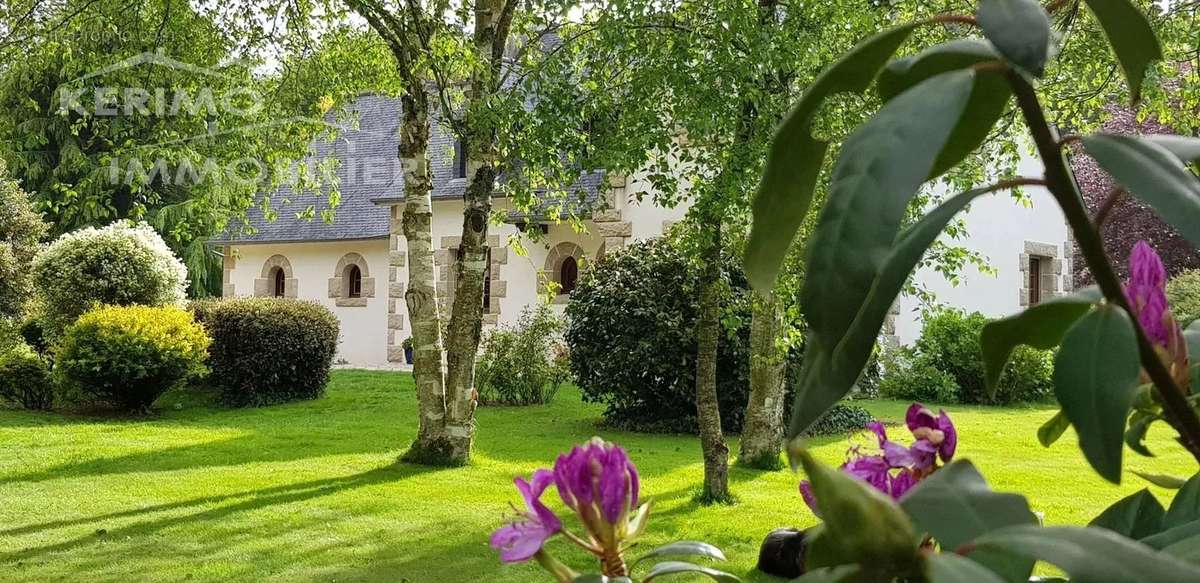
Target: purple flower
597,474
1146,291
935,435
524,536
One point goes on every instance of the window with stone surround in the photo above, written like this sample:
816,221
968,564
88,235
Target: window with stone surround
1041,273
351,285
562,267
276,279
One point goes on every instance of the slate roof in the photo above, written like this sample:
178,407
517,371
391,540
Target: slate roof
369,177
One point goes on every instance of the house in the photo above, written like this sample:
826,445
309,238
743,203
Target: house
356,263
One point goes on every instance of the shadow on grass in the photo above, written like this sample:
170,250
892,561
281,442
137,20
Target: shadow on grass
240,502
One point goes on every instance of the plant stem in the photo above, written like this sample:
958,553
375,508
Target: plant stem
1061,185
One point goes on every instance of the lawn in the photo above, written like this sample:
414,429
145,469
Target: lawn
312,491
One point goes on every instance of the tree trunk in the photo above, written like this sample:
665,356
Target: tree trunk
708,413
431,445
492,21
762,433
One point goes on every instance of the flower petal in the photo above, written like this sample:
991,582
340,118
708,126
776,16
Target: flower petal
950,441
806,492
919,416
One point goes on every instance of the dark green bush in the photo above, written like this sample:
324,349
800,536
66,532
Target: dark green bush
840,419
910,376
631,334
268,350
523,364
128,356
25,379
946,365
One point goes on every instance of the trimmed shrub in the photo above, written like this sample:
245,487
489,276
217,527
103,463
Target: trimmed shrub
25,379
840,419
631,333
118,265
128,356
21,232
946,365
909,376
523,364
1183,293
268,350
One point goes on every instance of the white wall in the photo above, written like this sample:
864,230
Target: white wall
997,226
363,329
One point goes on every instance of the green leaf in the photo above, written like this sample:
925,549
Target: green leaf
1135,436
839,574
1131,38
1041,326
1095,381
795,159
952,568
989,96
683,549
1154,175
955,506
1171,536
1136,516
1187,549
1185,148
1020,30
852,274
1191,336
1053,429
1185,507
1091,555
860,522
677,567
1168,482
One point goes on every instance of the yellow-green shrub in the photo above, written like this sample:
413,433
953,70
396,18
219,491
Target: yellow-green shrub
128,356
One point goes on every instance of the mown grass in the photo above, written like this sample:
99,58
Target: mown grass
313,492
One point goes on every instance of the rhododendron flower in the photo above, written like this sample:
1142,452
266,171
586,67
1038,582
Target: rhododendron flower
895,469
1146,292
597,476
522,538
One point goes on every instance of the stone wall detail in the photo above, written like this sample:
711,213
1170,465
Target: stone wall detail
552,270
264,285
608,222
339,286
445,259
228,264
1050,275
397,260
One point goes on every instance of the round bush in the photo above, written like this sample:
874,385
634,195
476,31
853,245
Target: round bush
909,376
128,356
631,334
25,379
117,265
522,364
1183,293
268,350
840,419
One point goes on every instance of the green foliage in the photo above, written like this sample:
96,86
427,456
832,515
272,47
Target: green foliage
128,356
1095,379
25,378
523,364
631,333
840,419
268,350
1183,294
912,376
120,265
1041,326
21,232
947,365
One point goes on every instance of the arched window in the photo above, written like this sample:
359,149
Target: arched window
353,282
568,275
280,280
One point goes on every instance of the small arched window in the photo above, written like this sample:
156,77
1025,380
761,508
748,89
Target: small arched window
280,279
353,282
568,275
